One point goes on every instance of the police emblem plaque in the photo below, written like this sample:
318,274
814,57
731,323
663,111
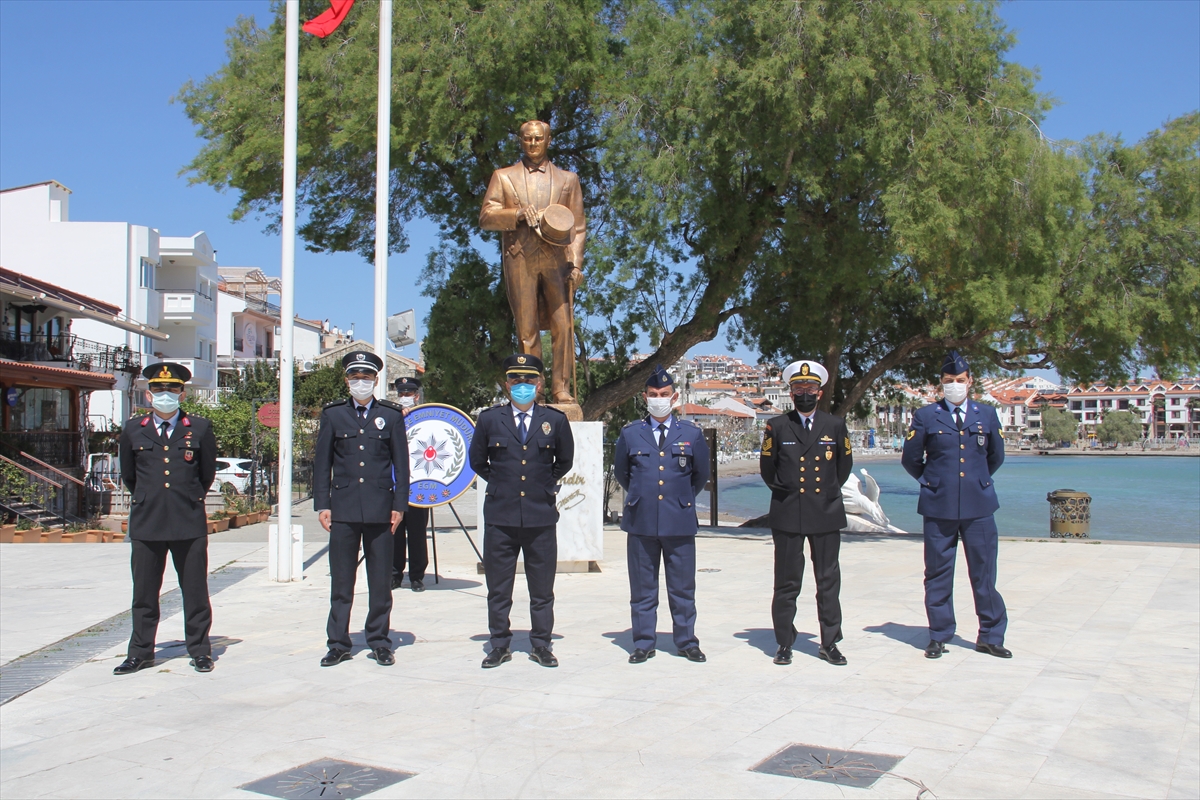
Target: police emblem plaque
439,437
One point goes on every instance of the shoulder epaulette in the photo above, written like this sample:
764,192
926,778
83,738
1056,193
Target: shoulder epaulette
391,405
555,410
335,403
687,422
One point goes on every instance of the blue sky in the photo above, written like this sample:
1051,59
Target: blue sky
86,88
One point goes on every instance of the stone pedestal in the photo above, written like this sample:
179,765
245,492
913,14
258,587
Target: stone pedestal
580,502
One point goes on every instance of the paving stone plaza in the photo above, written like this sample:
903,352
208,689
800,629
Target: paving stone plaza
1100,699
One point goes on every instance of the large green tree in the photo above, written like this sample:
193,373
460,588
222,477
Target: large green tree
862,183
1119,426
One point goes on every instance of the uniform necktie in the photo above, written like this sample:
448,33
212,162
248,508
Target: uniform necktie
662,434
523,426
362,413
807,424
958,418
162,428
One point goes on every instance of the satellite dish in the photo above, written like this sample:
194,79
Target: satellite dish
402,328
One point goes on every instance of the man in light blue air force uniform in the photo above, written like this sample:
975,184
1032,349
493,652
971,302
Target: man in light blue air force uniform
662,463
953,449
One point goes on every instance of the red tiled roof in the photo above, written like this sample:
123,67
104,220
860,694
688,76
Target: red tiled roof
57,292
36,373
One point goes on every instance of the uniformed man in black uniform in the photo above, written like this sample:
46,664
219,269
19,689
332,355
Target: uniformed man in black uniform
662,463
360,491
522,450
410,540
168,463
805,461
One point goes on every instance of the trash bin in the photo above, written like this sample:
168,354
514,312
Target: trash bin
1070,514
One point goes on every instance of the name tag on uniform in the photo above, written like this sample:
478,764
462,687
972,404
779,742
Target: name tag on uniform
981,439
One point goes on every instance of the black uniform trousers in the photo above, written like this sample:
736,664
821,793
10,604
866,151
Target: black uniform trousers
411,545
678,555
148,561
376,541
789,574
501,545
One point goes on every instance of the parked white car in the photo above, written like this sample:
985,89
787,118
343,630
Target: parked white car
235,472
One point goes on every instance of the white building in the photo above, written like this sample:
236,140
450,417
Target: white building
248,323
164,282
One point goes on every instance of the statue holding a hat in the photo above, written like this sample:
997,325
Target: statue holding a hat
538,209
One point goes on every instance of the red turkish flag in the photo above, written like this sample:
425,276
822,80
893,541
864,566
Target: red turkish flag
327,22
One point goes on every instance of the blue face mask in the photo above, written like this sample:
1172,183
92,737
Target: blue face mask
523,393
165,402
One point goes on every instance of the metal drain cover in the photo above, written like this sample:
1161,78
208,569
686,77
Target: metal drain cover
326,778
843,767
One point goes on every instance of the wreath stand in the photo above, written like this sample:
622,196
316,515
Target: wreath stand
433,535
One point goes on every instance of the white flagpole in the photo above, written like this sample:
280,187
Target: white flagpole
287,305
382,173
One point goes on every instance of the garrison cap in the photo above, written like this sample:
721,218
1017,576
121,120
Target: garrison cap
362,359
805,372
954,364
408,384
167,372
522,364
659,379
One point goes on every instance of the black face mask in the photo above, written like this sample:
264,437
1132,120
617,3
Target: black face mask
805,403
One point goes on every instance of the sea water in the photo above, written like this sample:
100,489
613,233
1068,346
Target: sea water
1134,498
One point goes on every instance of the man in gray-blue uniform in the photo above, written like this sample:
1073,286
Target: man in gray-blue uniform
953,448
168,463
662,463
360,491
522,450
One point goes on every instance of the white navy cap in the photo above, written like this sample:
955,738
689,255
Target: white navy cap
804,371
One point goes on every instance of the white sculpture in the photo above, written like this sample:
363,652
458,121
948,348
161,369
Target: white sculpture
863,511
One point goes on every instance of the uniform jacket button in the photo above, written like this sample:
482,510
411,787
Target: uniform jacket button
962,447
962,474
962,461
360,447
167,485
662,454
660,497
522,477
360,480
802,480
802,491
661,467
818,491
660,483
801,458
818,481
166,447
816,469
524,447
802,469
522,461
166,461
166,472
522,494
362,463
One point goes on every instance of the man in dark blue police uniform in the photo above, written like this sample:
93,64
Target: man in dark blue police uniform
410,540
522,450
953,448
805,461
168,463
662,463
360,491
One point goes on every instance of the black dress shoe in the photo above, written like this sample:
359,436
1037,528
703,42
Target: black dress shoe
935,649
640,656
694,654
383,656
203,663
132,664
832,655
783,655
418,585
496,658
993,650
543,656
397,582
334,657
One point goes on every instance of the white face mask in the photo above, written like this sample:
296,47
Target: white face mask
406,402
955,392
659,406
361,389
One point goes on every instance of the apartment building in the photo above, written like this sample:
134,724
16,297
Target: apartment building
249,323
1168,409
166,283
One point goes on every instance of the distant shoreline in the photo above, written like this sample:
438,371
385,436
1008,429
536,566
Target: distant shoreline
1193,453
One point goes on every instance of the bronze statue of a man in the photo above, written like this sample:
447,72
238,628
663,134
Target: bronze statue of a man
542,249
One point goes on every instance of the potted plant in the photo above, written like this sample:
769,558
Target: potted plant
218,521
26,532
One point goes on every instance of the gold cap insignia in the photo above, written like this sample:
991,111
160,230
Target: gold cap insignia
164,372
804,369
520,359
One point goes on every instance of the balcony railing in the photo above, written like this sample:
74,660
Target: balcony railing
72,351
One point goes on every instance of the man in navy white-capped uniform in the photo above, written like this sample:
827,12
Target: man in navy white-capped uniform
168,463
953,449
805,460
522,450
360,491
662,463
410,540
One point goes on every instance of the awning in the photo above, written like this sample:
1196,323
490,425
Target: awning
83,311
19,371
